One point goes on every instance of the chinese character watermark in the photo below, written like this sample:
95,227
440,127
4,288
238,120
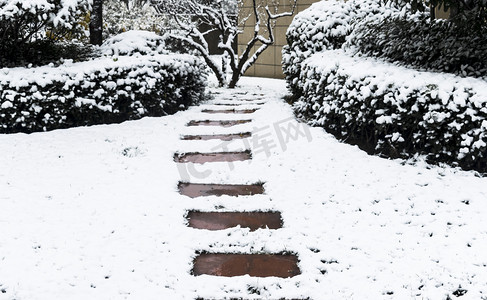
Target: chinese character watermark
293,131
263,140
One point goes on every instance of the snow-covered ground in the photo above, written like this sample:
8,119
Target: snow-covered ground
94,213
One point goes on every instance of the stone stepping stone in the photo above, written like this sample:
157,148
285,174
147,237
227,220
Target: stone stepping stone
194,190
223,220
223,137
223,123
256,265
237,104
252,298
201,158
248,100
230,111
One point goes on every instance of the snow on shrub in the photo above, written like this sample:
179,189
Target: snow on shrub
382,107
144,42
325,25
104,90
57,12
439,45
122,16
322,26
134,41
396,111
23,21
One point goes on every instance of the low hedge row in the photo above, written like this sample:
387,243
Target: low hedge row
396,111
105,90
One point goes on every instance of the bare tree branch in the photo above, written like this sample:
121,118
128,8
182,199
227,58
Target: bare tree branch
216,15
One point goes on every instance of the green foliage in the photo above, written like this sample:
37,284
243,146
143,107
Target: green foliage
27,26
462,11
439,45
324,26
45,51
122,16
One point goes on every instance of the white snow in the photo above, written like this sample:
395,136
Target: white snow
58,14
134,41
382,74
44,75
94,213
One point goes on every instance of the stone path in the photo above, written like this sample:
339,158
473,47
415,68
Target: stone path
282,264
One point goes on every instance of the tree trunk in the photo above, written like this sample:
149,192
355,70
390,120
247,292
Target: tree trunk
235,78
432,12
96,23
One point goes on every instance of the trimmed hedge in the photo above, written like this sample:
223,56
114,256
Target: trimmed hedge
395,111
104,90
384,108
437,45
325,25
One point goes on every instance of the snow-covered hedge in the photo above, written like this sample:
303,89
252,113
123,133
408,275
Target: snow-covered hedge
325,25
437,45
143,42
382,107
105,90
134,41
57,12
322,26
397,111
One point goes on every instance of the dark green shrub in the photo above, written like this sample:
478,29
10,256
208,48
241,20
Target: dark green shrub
396,112
324,26
101,91
438,45
24,23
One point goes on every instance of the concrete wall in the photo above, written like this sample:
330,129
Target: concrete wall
269,63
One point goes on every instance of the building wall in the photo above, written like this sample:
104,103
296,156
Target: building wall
441,14
269,62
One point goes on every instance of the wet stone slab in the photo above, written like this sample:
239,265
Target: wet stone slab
238,104
229,111
222,123
201,158
256,265
194,190
223,137
249,299
224,220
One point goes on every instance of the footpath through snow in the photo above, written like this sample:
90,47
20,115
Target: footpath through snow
95,212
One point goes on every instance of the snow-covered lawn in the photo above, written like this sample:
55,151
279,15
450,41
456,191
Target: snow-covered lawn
94,213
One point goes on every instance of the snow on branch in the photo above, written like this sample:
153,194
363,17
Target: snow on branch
220,17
